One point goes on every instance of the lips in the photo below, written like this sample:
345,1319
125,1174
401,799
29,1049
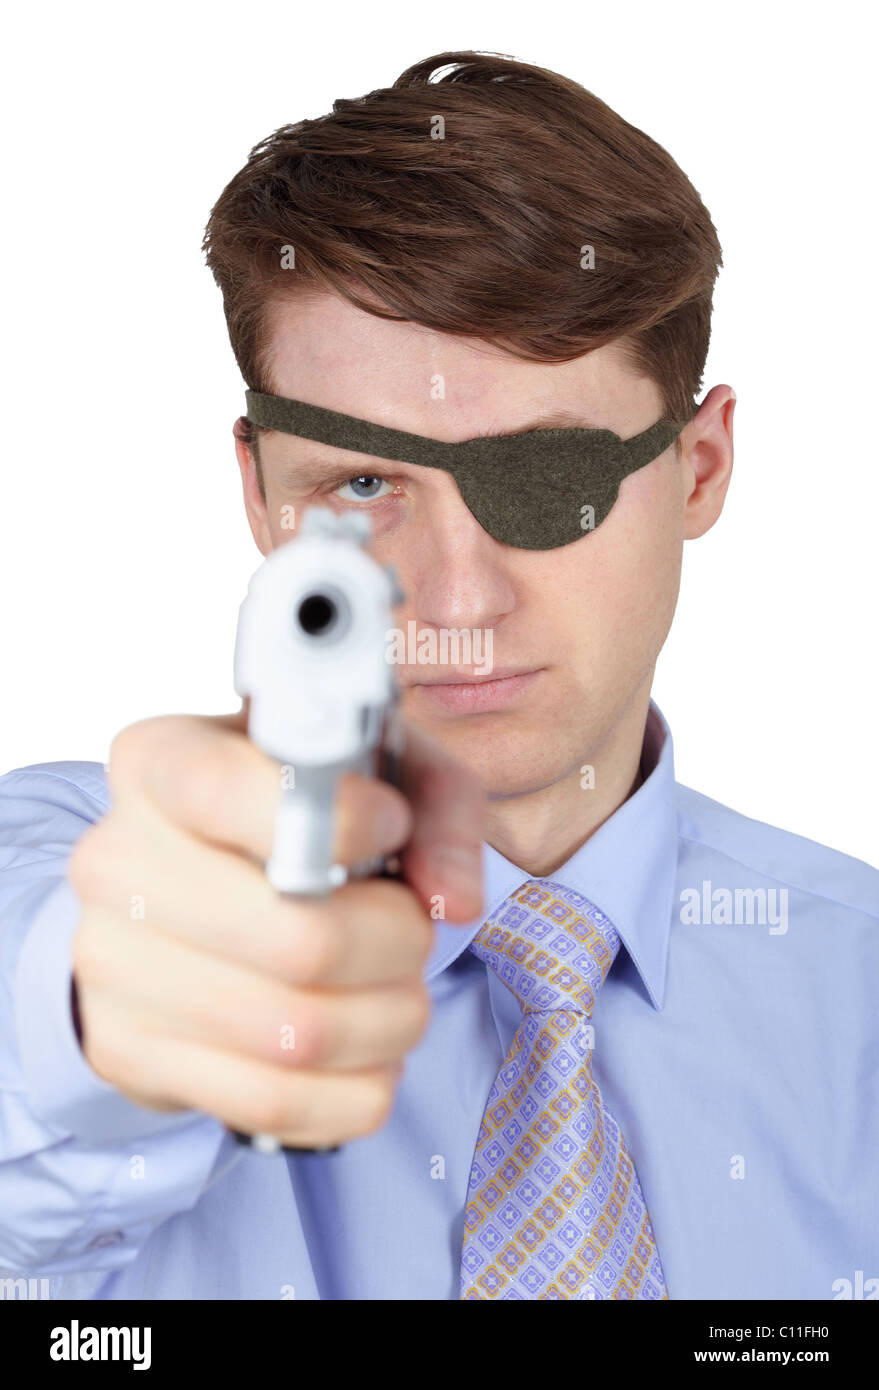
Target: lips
464,677
461,694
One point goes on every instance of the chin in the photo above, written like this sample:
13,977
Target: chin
510,754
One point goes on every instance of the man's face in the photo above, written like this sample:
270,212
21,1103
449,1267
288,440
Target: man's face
575,630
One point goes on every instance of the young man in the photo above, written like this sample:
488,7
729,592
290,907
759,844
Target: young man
635,1055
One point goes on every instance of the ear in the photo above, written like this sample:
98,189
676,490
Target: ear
707,460
254,502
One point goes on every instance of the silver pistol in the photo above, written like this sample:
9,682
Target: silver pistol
311,657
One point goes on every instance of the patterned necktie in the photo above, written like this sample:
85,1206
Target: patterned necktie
555,1209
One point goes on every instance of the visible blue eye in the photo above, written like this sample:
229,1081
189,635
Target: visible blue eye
364,488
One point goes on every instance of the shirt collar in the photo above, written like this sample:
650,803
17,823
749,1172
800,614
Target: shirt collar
627,868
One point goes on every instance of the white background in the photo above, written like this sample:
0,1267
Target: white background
123,542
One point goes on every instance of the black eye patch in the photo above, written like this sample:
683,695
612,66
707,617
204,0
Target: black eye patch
536,490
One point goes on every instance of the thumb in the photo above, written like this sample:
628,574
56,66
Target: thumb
444,854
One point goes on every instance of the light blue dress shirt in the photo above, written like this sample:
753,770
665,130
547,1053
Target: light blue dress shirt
737,1044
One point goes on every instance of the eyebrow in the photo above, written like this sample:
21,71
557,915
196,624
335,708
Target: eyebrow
554,420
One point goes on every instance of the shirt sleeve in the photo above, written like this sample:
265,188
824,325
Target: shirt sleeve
85,1174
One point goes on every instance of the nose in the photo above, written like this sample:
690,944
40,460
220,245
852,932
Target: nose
458,576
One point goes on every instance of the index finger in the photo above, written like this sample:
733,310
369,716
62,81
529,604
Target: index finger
202,773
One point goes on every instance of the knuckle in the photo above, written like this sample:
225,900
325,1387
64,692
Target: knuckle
369,815
135,746
162,755
107,1052
89,956
209,790
401,898
312,1033
273,1106
396,900
88,861
374,1103
413,919
417,1010
315,950
422,935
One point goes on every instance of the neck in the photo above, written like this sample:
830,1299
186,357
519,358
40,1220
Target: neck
541,829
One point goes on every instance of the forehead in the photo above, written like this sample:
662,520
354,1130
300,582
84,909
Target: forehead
403,375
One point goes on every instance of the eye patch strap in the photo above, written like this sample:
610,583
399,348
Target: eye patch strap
619,457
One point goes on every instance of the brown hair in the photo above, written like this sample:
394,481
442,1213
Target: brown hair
478,233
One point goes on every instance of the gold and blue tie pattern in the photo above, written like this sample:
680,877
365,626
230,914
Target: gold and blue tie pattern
554,1209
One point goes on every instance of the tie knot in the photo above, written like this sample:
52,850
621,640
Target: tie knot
548,944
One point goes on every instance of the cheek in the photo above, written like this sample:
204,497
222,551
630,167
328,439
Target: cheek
643,541
283,514
619,584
